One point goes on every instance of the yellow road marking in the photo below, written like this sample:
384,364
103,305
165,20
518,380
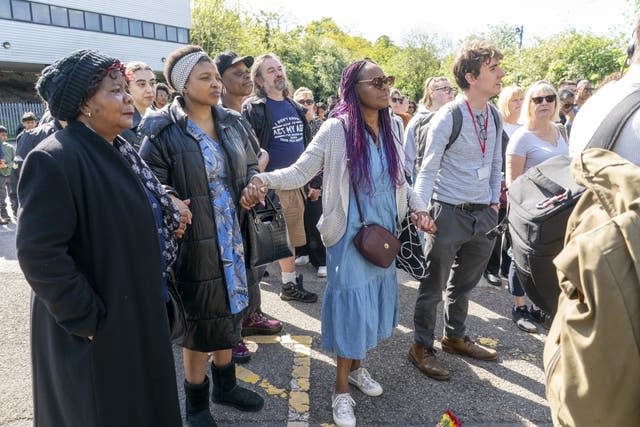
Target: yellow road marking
300,375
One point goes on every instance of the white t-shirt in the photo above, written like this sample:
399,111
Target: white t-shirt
510,128
525,143
598,106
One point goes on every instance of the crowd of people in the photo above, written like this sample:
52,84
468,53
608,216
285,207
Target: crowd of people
161,175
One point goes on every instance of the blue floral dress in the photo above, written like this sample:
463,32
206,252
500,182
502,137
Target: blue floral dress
360,305
226,221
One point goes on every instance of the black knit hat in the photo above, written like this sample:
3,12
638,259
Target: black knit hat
64,83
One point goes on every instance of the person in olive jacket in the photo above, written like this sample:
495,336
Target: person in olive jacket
202,152
96,235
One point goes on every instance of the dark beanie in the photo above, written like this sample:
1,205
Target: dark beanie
63,84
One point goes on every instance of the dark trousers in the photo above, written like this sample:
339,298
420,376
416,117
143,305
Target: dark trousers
4,191
456,262
314,248
499,262
13,192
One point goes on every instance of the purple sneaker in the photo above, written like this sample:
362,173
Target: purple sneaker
259,324
240,353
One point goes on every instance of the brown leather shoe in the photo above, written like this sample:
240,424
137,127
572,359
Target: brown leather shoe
468,348
425,360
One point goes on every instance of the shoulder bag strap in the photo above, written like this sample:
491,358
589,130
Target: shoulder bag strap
355,192
609,130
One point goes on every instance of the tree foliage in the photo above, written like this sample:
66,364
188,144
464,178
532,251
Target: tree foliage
315,54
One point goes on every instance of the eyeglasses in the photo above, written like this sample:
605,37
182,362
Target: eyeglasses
539,99
379,82
447,89
398,100
307,101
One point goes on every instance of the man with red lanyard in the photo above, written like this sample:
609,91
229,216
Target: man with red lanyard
462,183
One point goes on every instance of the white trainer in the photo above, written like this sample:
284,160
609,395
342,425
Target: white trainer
362,379
302,260
322,271
343,414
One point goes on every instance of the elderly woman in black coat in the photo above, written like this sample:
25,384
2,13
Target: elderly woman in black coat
203,153
95,237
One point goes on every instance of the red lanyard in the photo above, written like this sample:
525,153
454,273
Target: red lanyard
483,143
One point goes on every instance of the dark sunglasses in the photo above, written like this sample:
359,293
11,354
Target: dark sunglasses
307,101
379,82
398,100
568,105
447,89
548,98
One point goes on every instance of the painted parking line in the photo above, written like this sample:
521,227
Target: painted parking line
298,395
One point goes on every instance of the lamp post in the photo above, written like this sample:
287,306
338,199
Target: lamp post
520,32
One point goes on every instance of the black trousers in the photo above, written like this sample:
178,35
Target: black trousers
314,248
500,259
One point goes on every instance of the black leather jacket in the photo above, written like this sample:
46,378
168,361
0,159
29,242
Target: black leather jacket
174,155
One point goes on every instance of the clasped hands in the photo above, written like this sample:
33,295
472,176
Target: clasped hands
185,214
253,193
424,222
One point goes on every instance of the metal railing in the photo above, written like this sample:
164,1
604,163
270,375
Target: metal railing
11,114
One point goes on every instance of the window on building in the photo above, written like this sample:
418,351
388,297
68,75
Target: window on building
122,26
5,9
21,10
40,13
59,16
183,35
172,34
135,28
108,25
161,31
76,18
92,21
147,30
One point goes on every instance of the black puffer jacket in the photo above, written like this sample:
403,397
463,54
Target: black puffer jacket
174,156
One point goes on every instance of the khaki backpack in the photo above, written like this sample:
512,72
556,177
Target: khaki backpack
592,353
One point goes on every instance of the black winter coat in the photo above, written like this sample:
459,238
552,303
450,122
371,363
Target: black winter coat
174,156
88,246
27,141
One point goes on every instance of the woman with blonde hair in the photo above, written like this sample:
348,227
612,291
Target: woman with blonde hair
536,141
510,105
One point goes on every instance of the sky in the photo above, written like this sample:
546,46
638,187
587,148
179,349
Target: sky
455,19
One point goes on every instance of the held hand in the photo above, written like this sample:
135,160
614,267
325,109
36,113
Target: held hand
2,164
253,194
185,214
314,194
424,222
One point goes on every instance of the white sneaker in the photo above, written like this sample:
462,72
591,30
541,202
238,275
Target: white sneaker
322,271
302,260
362,379
343,414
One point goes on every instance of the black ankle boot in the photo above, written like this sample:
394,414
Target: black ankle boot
197,404
227,392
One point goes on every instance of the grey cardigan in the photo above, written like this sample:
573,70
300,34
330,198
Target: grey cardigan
328,150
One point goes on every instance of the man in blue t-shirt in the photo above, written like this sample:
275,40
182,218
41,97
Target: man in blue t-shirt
283,131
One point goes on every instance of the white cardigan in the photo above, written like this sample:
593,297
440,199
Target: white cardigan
328,151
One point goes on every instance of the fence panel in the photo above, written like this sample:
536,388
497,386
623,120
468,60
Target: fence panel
11,114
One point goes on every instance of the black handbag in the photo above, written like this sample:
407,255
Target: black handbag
175,314
374,242
267,235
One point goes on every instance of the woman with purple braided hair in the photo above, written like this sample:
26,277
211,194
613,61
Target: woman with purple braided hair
359,152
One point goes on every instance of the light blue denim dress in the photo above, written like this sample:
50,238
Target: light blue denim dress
360,305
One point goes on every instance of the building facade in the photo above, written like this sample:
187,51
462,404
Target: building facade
34,34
